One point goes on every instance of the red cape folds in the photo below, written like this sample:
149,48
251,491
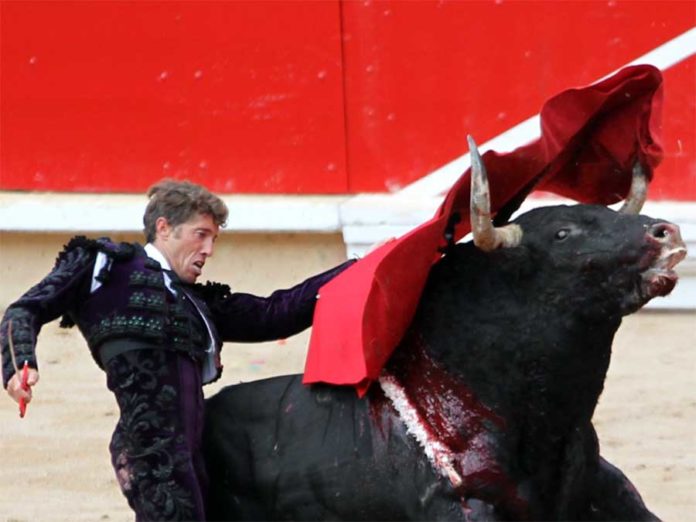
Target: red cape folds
590,139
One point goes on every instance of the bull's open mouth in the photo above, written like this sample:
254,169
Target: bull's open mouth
660,278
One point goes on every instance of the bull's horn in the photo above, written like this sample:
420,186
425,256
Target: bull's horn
486,236
639,191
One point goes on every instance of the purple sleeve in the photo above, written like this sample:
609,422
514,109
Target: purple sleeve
46,301
241,317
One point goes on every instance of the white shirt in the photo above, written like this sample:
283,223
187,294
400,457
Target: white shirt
153,253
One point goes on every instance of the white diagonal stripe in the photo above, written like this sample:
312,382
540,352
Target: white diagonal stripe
441,179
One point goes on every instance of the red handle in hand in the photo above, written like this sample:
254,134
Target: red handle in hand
25,387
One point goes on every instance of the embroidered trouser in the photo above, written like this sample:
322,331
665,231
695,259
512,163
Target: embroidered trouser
155,448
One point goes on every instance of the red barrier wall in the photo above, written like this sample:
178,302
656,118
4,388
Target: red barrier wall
111,96
306,97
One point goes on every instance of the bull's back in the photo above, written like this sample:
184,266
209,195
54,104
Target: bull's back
276,449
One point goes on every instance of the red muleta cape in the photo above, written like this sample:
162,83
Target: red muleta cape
590,139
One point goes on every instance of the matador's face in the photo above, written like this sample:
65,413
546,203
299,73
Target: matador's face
189,245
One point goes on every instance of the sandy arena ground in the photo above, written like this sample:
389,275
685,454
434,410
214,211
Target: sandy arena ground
55,462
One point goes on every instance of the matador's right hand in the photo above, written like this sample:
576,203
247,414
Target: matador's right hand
14,385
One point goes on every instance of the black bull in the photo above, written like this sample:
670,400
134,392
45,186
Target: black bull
485,410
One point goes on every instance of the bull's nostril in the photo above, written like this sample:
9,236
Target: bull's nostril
664,232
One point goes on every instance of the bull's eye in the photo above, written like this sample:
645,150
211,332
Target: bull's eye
562,234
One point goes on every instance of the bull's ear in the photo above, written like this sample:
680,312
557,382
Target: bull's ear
638,192
486,236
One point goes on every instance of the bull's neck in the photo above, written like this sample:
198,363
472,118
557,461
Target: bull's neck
562,369
545,381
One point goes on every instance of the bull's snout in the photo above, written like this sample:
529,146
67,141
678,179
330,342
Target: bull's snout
672,245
